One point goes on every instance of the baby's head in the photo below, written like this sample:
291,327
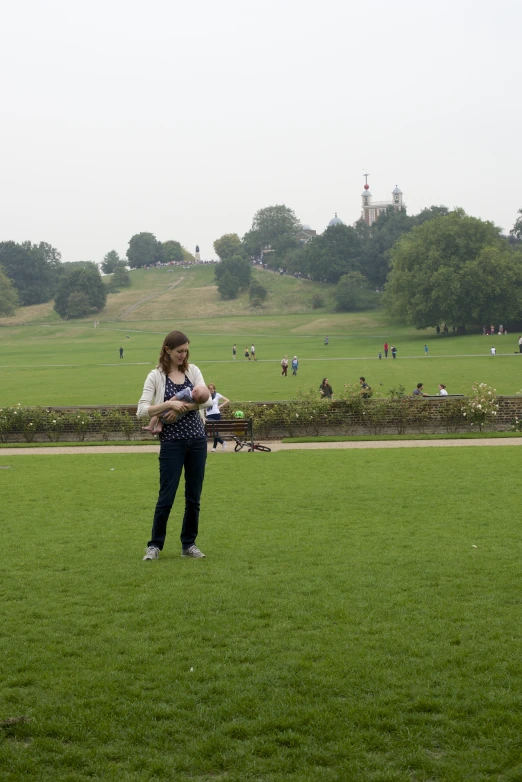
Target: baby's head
200,394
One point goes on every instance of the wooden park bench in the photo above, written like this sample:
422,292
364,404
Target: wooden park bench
230,429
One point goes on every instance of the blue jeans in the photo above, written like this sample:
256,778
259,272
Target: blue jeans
217,438
174,456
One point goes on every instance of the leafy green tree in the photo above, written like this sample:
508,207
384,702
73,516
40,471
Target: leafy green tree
78,305
334,253
111,262
232,274
273,223
516,231
252,244
378,240
353,293
457,270
257,293
187,256
33,270
228,245
8,296
172,251
228,286
120,279
144,250
83,279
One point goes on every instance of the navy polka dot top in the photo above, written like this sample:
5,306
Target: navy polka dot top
189,425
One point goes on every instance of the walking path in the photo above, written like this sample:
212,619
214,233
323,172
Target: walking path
275,445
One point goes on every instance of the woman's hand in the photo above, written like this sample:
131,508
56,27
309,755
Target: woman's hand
176,407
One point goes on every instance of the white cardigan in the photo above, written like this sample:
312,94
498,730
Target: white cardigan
154,390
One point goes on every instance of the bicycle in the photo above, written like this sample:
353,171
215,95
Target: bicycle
256,446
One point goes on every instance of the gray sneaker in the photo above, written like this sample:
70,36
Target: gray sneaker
192,551
152,552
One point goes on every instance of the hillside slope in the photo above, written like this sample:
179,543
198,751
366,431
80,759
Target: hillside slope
159,294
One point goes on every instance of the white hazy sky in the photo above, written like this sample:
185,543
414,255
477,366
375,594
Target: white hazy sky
185,118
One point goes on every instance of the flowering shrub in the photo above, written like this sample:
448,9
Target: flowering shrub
56,425
481,405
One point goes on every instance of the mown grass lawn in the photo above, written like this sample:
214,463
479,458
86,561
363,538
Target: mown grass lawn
75,364
357,618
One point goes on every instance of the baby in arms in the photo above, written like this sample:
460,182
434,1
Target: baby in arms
199,395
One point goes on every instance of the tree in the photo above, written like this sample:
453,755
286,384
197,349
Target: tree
172,251
336,252
83,279
111,262
8,295
33,270
144,250
257,293
228,286
252,244
232,276
456,270
273,223
78,305
121,278
228,245
516,231
353,293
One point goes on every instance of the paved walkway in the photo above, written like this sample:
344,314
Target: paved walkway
275,445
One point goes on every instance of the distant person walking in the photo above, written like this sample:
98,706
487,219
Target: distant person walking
234,352
426,350
394,351
121,352
385,346
520,344
253,352
493,351
284,366
247,354
325,389
295,365
326,340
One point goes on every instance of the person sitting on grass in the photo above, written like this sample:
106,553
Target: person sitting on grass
199,395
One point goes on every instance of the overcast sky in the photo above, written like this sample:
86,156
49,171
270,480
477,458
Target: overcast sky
185,118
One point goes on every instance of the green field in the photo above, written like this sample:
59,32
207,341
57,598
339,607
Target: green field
365,626
73,363
47,361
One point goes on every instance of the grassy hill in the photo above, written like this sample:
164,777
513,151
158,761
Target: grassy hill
160,294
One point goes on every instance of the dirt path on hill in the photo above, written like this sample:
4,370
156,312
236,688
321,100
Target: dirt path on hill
147,298
276,446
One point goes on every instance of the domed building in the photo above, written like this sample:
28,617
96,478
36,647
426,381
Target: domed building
306,234
372,209
335,221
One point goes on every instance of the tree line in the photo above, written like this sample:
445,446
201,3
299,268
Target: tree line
436,267
35,274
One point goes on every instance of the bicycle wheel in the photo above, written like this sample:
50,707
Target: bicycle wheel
238,446
259,447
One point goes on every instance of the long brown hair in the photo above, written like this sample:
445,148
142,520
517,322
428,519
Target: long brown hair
172,340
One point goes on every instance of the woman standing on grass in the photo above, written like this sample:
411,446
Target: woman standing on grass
214,413
183,442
